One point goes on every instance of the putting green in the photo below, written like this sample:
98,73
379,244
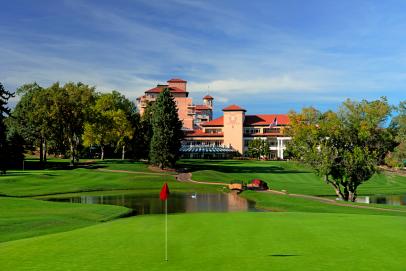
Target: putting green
220,241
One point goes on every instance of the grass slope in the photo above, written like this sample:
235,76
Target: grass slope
22,218
285,203
46,182
232,241
282,175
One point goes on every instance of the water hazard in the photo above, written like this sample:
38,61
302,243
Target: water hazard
177,203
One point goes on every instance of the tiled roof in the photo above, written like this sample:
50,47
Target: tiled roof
266,119
216,122
176,80
233,107
254,120
208,97
160,88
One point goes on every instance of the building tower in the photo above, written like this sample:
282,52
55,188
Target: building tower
233,130
208,101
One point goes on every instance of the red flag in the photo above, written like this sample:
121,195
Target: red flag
164,192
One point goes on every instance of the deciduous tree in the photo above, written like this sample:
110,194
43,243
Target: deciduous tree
344,147
258,148
70,109
397,158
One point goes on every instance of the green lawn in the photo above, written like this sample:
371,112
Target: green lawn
285,203
299,234
46,182
289,176
233,241
22,218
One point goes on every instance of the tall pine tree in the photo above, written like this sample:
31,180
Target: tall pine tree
4,96
167,132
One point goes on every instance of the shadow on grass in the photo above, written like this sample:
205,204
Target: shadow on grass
284,255
56,165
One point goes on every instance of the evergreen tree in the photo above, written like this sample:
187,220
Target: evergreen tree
167,132
4,110
146,130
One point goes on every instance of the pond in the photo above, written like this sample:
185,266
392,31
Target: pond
177,202
383,199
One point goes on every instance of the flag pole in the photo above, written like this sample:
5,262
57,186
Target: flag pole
164,197
166,230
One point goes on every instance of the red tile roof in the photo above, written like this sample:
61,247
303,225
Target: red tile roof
176,80
216,122
202,107
233,107
160,88
266,119
254,120
208,97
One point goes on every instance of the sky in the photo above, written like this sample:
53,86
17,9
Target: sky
267,56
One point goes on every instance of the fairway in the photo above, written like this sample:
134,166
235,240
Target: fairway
23,218
238,241
297,234
284,175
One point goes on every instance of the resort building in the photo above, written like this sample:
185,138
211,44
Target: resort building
223,137
191,115
233,131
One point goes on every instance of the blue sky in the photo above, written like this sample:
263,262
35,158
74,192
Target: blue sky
267,56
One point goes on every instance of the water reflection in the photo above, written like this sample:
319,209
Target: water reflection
177,203
383,199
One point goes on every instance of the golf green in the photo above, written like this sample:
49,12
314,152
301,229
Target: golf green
220,241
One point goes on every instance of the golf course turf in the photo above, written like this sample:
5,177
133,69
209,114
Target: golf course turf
298,234
231,241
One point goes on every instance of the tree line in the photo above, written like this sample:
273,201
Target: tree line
74,120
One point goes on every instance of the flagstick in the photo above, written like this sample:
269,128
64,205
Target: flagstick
166,230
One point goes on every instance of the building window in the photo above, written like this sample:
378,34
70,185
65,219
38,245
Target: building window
250,131
213,131
271,130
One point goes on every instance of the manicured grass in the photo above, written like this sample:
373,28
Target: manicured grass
285,203
231,241
301,235
45,182
22,218
282,175
123,165
384,183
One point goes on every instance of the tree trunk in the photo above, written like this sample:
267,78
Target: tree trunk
123,153
346,193
41,151
352,196
45,150
102,152
72,152
336,188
